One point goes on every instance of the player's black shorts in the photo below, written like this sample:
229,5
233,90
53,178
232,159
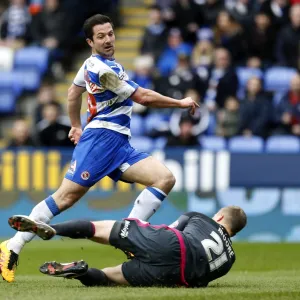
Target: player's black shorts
157,253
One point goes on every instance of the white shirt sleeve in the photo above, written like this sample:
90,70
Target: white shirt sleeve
79,78
123,88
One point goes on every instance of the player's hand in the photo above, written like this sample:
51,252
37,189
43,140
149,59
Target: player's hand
75,134
189,103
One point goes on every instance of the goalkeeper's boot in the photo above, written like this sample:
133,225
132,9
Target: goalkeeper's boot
65,270
26,224
8,262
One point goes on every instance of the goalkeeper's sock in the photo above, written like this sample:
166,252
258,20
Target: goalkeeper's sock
147,203
94,277
75,229
43,211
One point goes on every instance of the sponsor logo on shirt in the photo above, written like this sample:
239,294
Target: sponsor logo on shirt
124,230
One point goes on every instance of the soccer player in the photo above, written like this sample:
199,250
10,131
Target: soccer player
192,252
103,148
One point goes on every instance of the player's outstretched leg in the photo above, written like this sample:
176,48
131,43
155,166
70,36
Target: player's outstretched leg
68,193
26,224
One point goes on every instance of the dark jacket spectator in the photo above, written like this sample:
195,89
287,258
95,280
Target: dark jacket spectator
155,35
179,81
228,118
261,38
242,11
287,113
278,11
210,11
53,130
218,82
21,135
230,35
185,137
188,17
49,27
255,110
45,95
288,41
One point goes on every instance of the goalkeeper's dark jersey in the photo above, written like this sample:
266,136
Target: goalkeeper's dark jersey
209,252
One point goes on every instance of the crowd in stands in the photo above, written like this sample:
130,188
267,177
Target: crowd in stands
239,59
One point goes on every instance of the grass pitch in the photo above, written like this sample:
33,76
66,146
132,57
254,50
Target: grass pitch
262,271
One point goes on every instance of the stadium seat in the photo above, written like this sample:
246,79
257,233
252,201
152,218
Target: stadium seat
283,144
156,122
277,79
142,143
136,125
11,80
7,101
160,143
32,57
244,74
214,143
30,78
6,58
246,144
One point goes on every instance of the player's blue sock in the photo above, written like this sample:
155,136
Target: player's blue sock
43,211
147,203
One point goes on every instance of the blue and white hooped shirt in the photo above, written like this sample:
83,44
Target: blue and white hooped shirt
109,89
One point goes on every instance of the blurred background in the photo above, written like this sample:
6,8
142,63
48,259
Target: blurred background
239,59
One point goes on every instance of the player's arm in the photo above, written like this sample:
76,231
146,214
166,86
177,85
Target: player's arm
74,105
146,97
151,98
183,220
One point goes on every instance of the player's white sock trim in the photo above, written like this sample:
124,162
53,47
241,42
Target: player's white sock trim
147,203
40,212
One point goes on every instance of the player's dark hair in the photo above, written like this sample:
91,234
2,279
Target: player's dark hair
235,217
93,21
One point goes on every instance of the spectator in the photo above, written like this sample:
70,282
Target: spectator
288,41
261,39
188,17
180,80
228,118
287,114
203,51
15,24
50,29
21,135
254,62
154,40
53,130
185,137
45,95
278,11
242,11
211,10
255,110
218,82
229,34
169,58
200,119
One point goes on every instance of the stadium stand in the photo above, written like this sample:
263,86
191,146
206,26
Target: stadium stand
24,68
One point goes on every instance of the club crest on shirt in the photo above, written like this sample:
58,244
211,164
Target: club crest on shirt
85,175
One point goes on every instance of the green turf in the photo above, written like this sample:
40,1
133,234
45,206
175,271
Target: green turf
262,271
